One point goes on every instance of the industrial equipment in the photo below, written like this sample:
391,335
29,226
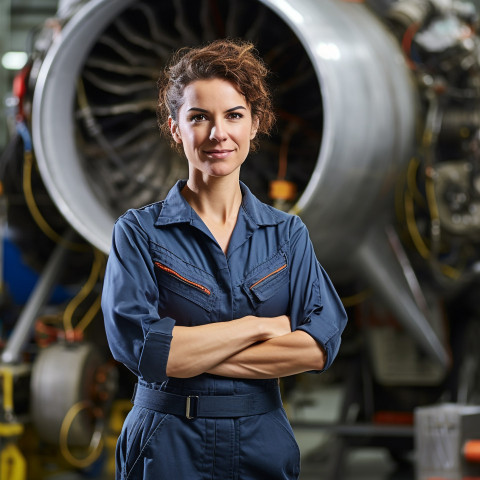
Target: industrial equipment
447,441
377,149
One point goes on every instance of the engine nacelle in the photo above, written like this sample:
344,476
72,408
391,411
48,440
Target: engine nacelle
344,95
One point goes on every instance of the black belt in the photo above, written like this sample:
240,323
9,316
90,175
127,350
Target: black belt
207,406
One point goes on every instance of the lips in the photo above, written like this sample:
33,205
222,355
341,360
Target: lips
218,154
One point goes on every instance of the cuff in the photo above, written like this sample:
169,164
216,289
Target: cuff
328,338
153,360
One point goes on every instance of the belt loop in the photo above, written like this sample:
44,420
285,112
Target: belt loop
191,407
134,392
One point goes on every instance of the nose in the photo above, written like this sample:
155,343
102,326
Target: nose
218,132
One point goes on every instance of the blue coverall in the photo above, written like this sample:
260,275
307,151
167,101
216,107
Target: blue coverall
165,268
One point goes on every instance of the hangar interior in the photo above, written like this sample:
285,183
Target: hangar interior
377,149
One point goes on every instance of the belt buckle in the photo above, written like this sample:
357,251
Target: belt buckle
191,407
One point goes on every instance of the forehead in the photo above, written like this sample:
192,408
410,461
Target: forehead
212,94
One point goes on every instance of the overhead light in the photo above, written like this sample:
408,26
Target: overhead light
14,60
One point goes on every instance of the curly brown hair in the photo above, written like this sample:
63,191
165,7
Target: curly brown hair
236,61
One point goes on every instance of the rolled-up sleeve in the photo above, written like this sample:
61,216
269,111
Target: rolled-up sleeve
136,334
315,305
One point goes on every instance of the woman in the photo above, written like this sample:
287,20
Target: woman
211,295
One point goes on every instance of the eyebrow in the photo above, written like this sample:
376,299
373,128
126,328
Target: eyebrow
196,109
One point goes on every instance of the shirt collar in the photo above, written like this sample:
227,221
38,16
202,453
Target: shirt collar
260,213
176,209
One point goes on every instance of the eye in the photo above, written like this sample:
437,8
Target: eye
235,115
199,117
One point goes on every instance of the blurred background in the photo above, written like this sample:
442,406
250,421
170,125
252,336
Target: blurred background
377,148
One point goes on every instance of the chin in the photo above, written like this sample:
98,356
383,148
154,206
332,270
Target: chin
222,172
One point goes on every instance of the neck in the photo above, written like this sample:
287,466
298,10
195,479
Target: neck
217,199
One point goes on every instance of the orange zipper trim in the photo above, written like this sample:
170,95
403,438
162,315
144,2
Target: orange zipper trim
183,279
269,275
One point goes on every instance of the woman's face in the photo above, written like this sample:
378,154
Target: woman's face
215,127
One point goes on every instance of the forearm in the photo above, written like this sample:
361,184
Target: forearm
195,350
289,354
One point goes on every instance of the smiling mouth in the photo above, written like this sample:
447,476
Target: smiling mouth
218,153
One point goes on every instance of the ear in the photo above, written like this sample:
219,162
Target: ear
173,125
255,123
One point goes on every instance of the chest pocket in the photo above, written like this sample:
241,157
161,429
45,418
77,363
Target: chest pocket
186,293
267,287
